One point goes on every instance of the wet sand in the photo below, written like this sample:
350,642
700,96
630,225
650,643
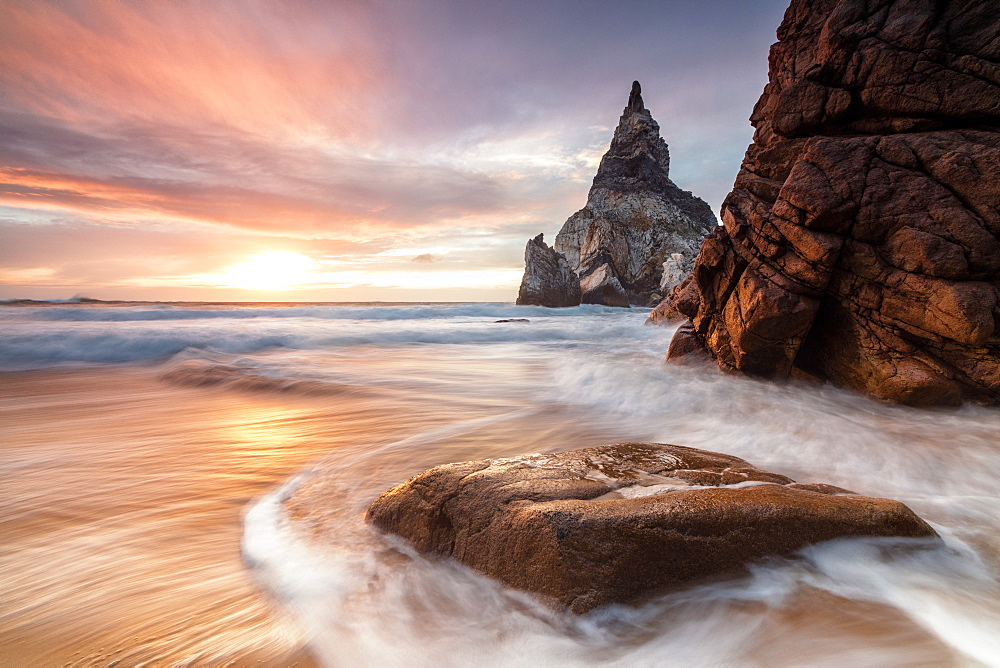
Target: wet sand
125,493
122,493
121,504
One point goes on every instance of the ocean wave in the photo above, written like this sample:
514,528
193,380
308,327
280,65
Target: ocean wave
40,344
372,312
205,373
808,431
372,600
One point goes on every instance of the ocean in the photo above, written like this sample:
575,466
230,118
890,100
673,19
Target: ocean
148,453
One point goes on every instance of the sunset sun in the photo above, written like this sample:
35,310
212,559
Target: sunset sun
271,270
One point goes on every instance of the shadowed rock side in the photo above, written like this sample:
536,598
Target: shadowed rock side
548,280
672,309
861,241
619,522
635,217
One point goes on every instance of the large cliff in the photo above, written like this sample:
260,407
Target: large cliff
861,241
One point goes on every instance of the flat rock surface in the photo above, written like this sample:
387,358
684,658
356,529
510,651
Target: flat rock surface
619,522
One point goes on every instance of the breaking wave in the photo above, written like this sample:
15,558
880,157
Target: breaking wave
388,391
366,312
43,337
370,599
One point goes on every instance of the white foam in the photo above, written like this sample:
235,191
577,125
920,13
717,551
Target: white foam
415,611
370,312
589,371
950,591
365,603
41,337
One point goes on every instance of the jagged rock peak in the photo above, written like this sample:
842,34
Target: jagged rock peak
636,218
548,279
638,156
635,98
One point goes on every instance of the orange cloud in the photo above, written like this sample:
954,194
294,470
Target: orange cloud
256,115
129,200
267,69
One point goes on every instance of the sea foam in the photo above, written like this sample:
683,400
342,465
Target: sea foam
89,313
43,337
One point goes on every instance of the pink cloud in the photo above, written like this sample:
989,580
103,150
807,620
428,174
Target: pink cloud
364,123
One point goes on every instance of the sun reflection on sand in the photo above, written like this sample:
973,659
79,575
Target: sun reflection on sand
123,495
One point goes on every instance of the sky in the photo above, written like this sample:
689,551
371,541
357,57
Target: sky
341,150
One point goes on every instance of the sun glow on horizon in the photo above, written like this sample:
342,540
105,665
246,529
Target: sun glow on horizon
271,270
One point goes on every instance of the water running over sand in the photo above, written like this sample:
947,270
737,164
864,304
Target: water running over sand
135,438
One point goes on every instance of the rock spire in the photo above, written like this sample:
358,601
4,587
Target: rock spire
635,98
548,280
635,217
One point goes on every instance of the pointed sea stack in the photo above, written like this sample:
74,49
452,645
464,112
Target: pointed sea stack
548,280
862,237
635,219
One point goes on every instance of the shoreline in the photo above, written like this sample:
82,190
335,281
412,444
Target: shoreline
101,504
124,498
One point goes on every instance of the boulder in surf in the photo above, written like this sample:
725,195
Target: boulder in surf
617,523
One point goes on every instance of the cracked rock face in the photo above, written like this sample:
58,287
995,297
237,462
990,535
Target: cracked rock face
600,284
635,216
548,279
861,241
617,523
672,309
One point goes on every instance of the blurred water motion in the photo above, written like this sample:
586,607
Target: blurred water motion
121,507
143,518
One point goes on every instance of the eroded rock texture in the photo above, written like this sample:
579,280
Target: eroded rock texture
548,279
619,522
671,310
861,240
635,216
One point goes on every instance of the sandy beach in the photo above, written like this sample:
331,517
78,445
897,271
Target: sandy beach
187,486
122,502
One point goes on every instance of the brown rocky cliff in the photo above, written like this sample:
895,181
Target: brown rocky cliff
861,241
